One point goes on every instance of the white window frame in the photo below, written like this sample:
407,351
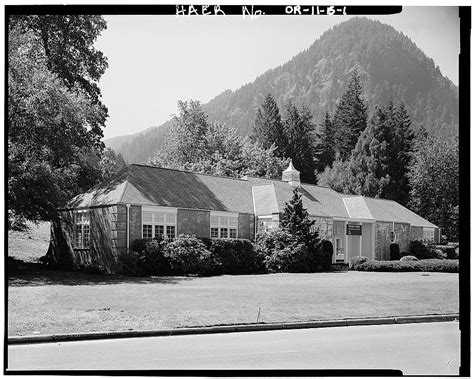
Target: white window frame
82,219
221,221
269,223
169,219
429,233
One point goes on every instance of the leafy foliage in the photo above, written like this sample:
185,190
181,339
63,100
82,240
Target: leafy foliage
235,257
434,182
145,258
188,255
197,145
354,262
427,265
52,125
408,258
389,64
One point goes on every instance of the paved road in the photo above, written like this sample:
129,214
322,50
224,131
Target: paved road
416,349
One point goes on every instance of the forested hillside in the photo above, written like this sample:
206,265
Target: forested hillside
390,67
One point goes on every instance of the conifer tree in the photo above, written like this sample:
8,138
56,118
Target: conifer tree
350,118
379,163
268,128
325,153
300,141
295,219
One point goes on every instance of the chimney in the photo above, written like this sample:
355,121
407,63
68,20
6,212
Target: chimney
291,175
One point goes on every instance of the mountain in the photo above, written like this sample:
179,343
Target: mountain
390,66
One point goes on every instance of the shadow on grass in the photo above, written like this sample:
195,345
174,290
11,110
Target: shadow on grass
33,274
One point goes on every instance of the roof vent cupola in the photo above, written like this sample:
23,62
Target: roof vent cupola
291,175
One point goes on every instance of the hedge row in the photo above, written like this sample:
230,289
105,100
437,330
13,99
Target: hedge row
276,251
188,255
431,265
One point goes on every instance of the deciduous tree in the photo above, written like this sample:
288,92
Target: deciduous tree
434,182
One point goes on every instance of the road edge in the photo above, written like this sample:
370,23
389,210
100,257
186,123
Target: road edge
47,338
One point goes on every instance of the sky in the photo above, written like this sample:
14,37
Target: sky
154,61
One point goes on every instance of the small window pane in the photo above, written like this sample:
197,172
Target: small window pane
78,236
147,217
159,231
160,218
170,231
86,218
170,218
233,222
147,231
86,231
214,232
223,221
224,233
232,233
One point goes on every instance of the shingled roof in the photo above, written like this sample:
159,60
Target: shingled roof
149,185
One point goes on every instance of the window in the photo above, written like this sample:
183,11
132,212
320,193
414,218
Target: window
338,229
428,233
158,222
339,250
82,233
224,226
266,223
393,237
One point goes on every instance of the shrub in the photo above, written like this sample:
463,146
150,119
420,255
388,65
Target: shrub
131,263
292,258
188,255
394,252
145,258
408,258
235,257
425,249
325,260
284,252
448,251
354,262
430,265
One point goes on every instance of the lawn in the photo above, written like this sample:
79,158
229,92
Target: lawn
30,245
42,302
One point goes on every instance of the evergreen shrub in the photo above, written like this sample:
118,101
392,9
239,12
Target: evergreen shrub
355,261
281,252
146,257
188,255
408,258
235,257
425,249
430,265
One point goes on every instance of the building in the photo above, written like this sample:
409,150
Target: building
145,202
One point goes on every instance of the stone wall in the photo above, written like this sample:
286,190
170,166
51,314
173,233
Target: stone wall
416,233
107,240
324,225
197,222
382,240
402,232
135,223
